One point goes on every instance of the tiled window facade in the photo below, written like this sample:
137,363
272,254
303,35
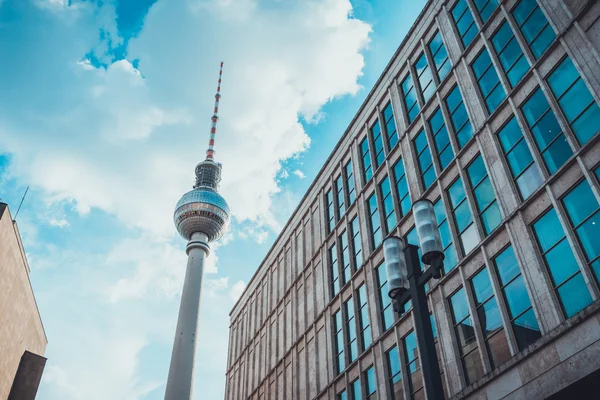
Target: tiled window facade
488,81
424,158
402,188
395,373
350,187
523,168
441,139
534,26
388,204
390,126
568,281
374,221
465,23
575,100
485,198
387,311
409,94
363,315
460,119
425,77
413,366
367,168
485,8
340,195
356,244
377,143
513,61
440,56
463,218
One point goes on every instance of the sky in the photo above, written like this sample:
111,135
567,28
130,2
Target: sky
105,110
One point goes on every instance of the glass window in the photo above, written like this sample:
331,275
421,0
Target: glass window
402,188
562,266
365,326
371,383
412,364
377,143
339,341
462,216
334,269
374,220
341,202
598,173
534,26
442,221
388,204
485,198
394,373
356,245
342,396
410,98
425,77
522,317
440,56
460,119
465,24
351,330
584,214
513,61
424,158
387,310
366,160
346,271
441,139
489,319
330,210
485,8
575,100
488,81
350,183
390,126
465,335
549,137
523,169
356,394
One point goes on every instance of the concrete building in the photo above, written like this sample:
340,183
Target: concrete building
22,337
489,109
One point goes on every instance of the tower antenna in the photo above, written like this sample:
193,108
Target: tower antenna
21,203
215,118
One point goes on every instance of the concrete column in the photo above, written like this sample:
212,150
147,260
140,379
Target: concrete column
181,372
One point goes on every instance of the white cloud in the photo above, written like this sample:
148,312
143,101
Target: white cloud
60,223
236,290
299,174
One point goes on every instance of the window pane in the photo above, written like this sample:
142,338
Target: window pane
473,367
460,309
485,8
507,265
526,329
371,381
482,287
516,297
410,98
489,317
469,239
548,230
574,295
390,126
440,56
366,160
580,203
561,262
534,26
498,347
460,119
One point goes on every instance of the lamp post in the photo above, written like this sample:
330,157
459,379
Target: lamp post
407,281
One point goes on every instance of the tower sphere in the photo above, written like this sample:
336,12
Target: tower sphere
202,210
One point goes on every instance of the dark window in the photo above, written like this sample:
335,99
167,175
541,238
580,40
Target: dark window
584,214
425,77
522,317
412,364
351,330
488,81
485,8
410,98
440,56
513,61
387,310
402,187
465,335
490,321
548,135
356,245
575,100
390,126
374,221
534,26
463,219
330,211
341,203
363,315
334,268
388,204
465,24
350,183
460,119
378,143
339,341
371,383
566,276
485,198
395,373
441,139
366,160
442,220
424,158
523,169
346,270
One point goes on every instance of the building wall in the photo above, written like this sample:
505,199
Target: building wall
283,333
20,323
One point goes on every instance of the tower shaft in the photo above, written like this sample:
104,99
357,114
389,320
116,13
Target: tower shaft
181,372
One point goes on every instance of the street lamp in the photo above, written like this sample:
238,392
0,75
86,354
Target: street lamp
407,281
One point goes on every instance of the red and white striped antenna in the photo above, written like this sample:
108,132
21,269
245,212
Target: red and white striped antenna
215,118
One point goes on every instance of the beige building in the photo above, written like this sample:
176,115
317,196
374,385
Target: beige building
21,328
489,108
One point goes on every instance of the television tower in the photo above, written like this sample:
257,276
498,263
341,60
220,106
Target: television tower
201,217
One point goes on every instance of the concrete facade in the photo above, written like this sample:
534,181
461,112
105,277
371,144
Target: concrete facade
282,342
21,326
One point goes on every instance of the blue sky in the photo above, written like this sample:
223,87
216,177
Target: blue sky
104,111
